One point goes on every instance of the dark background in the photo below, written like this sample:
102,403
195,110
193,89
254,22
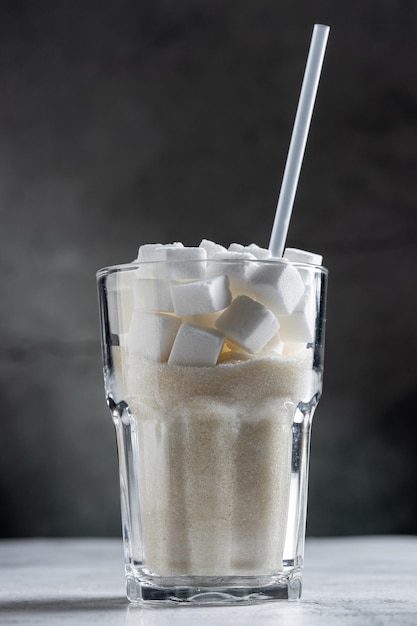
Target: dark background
130,122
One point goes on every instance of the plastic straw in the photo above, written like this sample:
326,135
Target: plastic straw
298,139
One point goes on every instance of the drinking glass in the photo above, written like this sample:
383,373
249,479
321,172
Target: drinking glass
213,459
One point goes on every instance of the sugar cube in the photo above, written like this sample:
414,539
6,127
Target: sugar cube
153,294
152,334
196,346
302,256
211,247
248,324
120,300
299,326
278,286
239,271
258,253
183,263
274,345
154,251
205,296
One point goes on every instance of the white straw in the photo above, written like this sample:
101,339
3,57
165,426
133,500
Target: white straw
298,139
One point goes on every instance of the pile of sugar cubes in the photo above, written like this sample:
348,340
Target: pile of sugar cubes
207,305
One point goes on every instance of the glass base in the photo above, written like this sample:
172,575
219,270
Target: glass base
201,590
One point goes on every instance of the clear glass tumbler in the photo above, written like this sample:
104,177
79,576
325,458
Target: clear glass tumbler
212,376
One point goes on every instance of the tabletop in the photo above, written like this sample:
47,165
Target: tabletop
352,580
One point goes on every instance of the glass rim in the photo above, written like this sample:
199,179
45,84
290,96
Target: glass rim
135,265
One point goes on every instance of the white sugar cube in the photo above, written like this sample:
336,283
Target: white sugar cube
154,251
237,247
205,296
234,255
183,263
211,247
278,286
153,294
196,346
152,334
299,326
248,324
146,252
274,345
120,300
302,256
258,253
307,275
237,265
146,270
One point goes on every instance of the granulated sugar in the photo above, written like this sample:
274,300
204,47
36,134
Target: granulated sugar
214,450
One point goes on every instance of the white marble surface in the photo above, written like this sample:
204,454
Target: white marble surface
363,581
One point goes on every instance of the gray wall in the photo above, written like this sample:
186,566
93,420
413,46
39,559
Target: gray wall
124,123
